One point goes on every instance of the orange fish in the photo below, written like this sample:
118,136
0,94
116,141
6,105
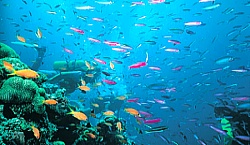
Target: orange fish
50,102
8,66
39,33
78,115
91,135
111,65
36,132
26,73
108,113
119,126
132,111
20,38
84,88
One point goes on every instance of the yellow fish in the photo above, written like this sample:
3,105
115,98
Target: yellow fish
95,105
100,98
120,98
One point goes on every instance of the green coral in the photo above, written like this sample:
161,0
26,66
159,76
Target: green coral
22,106
6,51
17,90
58,143
11,130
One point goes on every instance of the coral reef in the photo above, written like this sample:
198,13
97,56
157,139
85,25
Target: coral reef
6,51
25,118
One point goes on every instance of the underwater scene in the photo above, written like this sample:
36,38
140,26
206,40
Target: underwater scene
124,72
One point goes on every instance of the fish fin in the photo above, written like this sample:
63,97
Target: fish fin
12,74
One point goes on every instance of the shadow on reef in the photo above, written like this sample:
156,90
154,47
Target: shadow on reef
27,119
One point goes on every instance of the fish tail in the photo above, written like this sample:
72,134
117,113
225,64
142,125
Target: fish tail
12,74
71,111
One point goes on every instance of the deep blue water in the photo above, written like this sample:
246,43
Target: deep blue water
225,31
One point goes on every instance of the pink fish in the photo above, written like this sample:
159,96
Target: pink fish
119,49
240,98
171,89
154,68
100,61
246,138
201,142
138,65
77,30
218,130
152,121
156,1
138,3
133,100
192,23
97,19
117,61
146,114
178,68
94,40
109,82
172,50
68,50
204,1
110,43
140,25
175,42
239,70
160,101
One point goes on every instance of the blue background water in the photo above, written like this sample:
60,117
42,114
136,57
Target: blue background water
217,27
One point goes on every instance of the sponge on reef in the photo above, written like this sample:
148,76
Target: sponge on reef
16,90
6,51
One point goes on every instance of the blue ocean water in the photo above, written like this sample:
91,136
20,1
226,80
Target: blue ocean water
210,66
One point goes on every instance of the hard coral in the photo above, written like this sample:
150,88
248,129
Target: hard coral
6,51
16,90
